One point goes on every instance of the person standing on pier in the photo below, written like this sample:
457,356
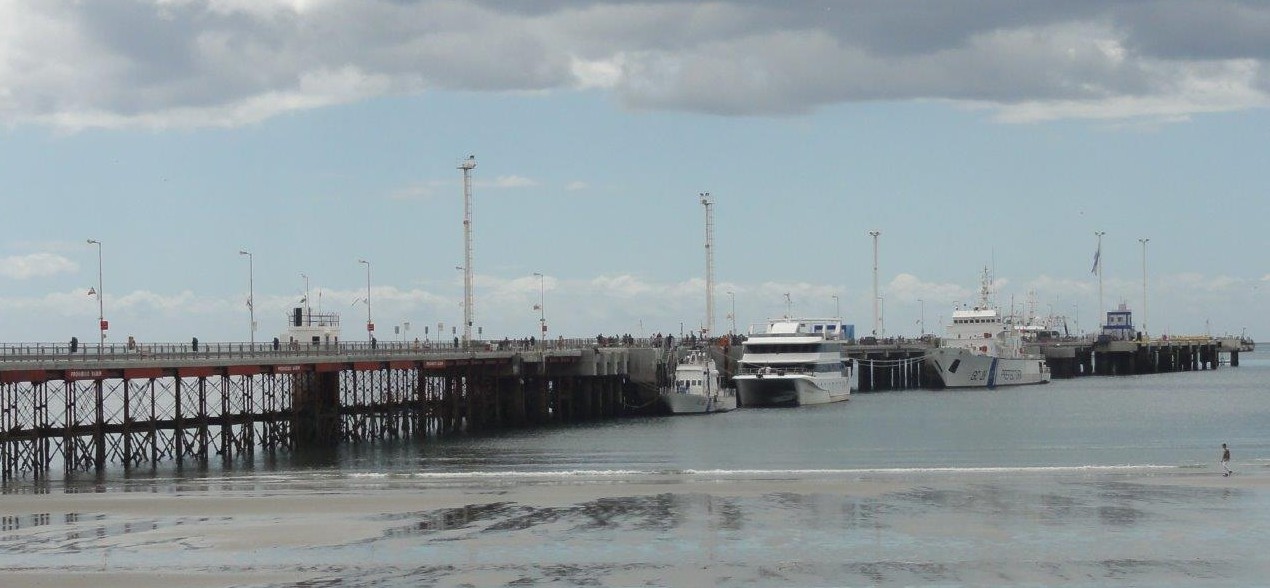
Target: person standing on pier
1225,459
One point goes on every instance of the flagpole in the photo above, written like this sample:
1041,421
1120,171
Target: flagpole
1098,268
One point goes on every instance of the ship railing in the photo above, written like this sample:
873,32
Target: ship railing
767,370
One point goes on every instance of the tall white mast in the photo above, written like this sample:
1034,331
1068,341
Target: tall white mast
467,166
708,202
876,319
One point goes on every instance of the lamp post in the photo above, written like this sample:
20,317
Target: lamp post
837,308
542,312
101,305
876,312
251,293
732,315
922,321
370,326
1145,313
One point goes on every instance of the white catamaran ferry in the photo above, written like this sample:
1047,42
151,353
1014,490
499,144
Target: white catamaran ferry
796,362
982,349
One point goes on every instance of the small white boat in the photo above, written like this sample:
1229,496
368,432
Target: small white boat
983,350
697,387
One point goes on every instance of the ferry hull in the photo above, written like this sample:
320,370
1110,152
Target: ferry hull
961,368
772,390
681,403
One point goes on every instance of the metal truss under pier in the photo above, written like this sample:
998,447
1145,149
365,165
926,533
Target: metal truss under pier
85,417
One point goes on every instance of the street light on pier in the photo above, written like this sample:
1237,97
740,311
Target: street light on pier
837,309
542,312
876,312
732,315
101,305
251,293
1145,314
370,325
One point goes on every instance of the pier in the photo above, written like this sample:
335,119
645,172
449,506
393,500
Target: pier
93,406
139,407
1102,357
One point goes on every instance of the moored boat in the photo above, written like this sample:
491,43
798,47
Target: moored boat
982,349
796,362
698,387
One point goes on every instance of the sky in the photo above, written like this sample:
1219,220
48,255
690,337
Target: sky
317,133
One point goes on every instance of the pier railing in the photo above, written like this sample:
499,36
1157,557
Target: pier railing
88,353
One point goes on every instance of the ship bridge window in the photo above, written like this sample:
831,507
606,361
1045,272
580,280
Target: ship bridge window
782,348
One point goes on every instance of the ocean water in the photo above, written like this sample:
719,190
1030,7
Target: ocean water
1175,420
1087,482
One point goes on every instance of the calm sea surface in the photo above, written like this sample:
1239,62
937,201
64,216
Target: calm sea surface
1091,481
1159,420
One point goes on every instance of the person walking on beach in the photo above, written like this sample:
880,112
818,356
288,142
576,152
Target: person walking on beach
1225,459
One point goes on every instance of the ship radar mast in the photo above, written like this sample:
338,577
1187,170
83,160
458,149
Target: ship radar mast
985,289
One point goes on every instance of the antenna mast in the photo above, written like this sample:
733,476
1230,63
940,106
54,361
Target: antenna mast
707,201
467,166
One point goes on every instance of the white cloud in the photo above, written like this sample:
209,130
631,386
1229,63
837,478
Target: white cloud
576,185
36,265
602,73
621,286
1197,282
613,303
1224,88
259,8
414,192
506,182
910,288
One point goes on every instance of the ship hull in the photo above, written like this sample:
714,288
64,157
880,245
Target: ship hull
961,368
688,403
791,390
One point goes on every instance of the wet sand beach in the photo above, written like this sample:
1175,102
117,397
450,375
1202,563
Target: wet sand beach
1010,527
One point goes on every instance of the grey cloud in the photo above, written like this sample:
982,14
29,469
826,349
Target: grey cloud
1220,29
137,60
